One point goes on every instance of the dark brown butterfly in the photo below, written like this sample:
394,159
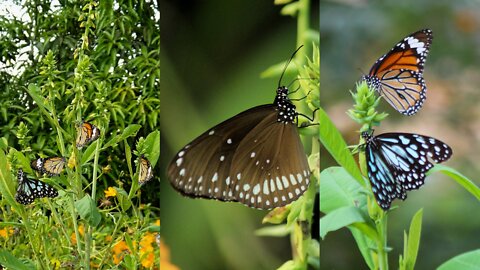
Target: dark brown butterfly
255,158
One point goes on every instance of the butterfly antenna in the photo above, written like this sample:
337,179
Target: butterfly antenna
286,65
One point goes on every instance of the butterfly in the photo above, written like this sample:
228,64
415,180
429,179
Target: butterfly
146,172
397,162
87,133
52,166
30,189
398,75
255,158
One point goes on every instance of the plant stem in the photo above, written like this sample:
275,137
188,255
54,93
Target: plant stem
382,242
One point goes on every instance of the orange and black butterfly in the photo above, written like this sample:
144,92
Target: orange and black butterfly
398,75
52,166
86,134
146,172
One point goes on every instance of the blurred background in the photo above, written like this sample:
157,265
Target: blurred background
354,34
213,53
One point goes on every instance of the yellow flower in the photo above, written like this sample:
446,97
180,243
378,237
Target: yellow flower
146,242
73,237
4,233
81,229
165,258
119,250
148,260
108,238
110,192
157,222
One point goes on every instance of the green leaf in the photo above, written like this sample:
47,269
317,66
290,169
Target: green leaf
292,265
460,178
129,131
123,200
22,160
153,143
466,261
276,231
7,186
344,217
291,9
11,262
35,92
88,211
413,242
89,153
339,189
333,141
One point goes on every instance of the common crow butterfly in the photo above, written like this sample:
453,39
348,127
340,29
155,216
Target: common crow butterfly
52,166
397,162
398,75
255,158
30,189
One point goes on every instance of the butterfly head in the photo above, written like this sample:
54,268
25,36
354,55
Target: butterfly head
367,135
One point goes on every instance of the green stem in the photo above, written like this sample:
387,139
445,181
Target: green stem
107,253
303,24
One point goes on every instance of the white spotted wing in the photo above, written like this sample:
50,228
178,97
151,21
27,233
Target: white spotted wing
250,158
397,162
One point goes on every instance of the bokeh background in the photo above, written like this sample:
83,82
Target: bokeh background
354,34
213,53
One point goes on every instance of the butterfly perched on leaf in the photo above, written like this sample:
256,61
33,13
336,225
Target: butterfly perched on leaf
30,189
146,171
255,158
398,75
52,166
398,162
87,133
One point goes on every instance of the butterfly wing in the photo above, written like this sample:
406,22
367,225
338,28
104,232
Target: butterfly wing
202,167
29,189
402,158
54,165
86,134
382,177
37,164
398,75
146,172
272,165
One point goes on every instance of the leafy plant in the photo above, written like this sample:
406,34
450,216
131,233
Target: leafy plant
81,61
346,198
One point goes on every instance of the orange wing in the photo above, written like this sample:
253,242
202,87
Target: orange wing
398,75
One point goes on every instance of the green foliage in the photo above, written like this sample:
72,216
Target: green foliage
348,201
412,243
90,61
466,261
